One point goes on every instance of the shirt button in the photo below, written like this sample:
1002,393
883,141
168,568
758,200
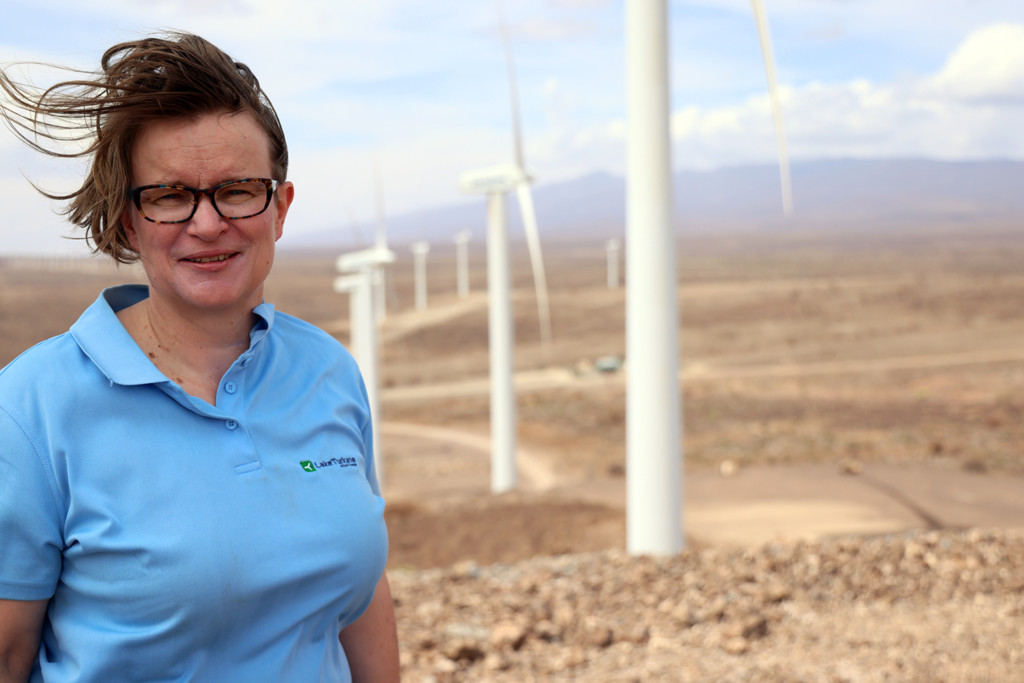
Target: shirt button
230,387
231,424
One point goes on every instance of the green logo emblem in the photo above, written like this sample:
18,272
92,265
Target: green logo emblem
308,465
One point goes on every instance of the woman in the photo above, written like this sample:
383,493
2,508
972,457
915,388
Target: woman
187,484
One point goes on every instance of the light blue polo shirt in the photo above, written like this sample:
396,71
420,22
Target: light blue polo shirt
181,541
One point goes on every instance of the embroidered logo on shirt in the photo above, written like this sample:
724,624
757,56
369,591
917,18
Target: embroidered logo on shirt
345,461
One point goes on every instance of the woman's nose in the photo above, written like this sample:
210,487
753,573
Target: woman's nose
206,223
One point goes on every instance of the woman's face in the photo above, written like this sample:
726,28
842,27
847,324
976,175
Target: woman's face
209,263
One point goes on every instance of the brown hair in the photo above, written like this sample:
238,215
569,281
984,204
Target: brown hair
157,78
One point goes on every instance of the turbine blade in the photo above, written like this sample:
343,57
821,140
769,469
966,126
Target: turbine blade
773,92
513,89
378,195
357,231
529,216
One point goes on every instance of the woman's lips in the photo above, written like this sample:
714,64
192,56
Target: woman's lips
209,259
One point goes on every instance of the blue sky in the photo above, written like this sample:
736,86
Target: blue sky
418,89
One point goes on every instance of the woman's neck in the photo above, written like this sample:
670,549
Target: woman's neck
194,352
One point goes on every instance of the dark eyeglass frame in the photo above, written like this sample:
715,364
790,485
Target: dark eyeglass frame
197,195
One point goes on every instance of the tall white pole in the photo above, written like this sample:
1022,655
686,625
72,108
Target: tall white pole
370,368
613,263
419,253
462,263
348,284
500,332
359,286
654,522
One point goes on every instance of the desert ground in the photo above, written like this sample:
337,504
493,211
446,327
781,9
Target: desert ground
811,364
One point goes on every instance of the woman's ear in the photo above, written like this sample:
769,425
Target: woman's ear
282,200
129,228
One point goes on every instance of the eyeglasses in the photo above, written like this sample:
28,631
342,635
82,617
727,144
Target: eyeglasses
234,199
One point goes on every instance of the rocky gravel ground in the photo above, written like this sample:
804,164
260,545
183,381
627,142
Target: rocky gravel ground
922,606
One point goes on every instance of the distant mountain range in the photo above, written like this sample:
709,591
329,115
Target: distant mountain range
834,194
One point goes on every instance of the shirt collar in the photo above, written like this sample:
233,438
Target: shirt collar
106,342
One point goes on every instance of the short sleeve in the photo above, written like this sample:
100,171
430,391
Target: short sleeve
30,531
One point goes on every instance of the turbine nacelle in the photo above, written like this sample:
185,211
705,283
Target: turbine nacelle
364,259
500,179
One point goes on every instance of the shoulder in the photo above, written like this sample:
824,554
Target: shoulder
295,349
52,358
298,326
290,330
54,381
45,389
308,348
96,340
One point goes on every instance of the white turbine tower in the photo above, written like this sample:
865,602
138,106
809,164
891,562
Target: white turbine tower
462,262
419,256
360,271
653,408
612,248
496,182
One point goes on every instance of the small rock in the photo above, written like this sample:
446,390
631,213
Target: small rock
850,467
736,645
508,635
466,570
495,662
635,633
563,615
598,636
463,650
547,631
576,656
445,666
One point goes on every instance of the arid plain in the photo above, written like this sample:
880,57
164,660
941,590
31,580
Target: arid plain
814,350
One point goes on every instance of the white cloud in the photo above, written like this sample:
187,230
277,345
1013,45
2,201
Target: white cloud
857,119
987,67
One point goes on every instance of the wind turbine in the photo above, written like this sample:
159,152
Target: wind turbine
496,182
653,407
359,280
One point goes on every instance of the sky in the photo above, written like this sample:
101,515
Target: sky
415,93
